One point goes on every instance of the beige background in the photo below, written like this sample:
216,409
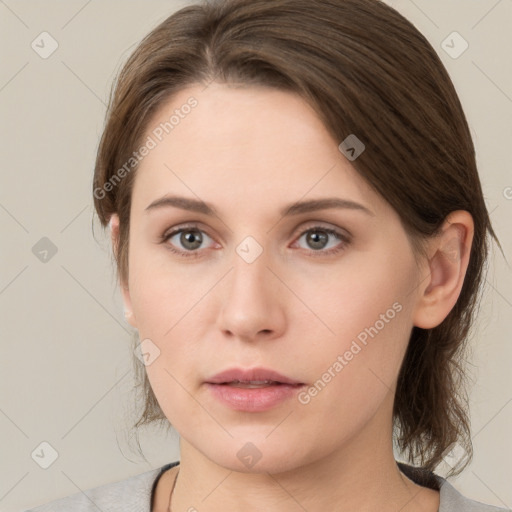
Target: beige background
66,370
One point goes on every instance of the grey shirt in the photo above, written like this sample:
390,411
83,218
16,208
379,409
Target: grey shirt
135,494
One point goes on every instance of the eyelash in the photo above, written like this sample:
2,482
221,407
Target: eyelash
344,239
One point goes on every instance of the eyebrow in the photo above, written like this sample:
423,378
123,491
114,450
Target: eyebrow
297,208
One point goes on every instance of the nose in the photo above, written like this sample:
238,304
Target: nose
252,301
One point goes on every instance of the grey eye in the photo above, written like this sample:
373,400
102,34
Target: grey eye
318,238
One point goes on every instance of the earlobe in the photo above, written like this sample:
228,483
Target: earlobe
125,293
113,225
447,265
127,304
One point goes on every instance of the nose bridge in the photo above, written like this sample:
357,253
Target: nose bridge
250,275
250,301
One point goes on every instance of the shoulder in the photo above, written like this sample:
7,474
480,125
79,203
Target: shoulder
451,500
130,495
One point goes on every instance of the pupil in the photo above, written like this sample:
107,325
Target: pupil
318,239
187,237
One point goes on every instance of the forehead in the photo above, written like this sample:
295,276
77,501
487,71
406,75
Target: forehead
245,145
232,120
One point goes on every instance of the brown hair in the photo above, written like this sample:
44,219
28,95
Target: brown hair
367,71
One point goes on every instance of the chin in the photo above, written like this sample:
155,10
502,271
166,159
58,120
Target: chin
258,455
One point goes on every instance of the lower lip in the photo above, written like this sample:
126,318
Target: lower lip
253,399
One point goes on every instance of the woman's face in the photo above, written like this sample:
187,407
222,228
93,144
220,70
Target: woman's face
256,286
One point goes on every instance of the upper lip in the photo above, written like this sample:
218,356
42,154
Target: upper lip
250,374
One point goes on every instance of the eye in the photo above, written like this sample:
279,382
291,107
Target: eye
319,238
188,239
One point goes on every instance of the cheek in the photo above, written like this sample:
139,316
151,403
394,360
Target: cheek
368,310
364,299
339,303
160,292
346,337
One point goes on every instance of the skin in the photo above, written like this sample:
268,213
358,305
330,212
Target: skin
249,151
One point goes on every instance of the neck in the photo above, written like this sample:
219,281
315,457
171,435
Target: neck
362,476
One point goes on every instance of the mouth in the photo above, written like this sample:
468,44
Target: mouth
252,378
253,389
254,384
253,396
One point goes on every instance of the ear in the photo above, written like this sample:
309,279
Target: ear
447,264
125,293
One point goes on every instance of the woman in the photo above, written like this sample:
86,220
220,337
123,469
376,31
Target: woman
300,236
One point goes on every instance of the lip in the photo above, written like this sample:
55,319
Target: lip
253,399
258,373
